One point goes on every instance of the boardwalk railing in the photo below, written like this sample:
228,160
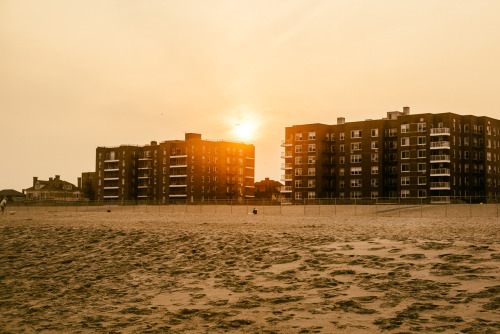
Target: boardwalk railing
444,206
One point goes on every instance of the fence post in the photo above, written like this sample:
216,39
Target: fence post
335,207
281,204
470,205
399,206
231,205
305,203
420,207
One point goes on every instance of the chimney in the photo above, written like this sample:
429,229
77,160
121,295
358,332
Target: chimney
79,182
35,179
189,136
154,143
406,110
340,120
50,179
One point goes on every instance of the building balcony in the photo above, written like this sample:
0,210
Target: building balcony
440,185
177,195
286,189
111,169
178,175
440,145
440,158
143,187
178,156
286,201
440,172
249,167
147,176
178,185
113,187
440,132
287,154
111,196
145,158
249,186
145,167
285,143
286,177
285,166
110,161
178,166
111,178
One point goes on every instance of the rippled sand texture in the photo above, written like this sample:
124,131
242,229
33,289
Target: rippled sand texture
150,273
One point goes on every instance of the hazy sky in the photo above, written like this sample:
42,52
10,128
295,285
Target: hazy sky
75,75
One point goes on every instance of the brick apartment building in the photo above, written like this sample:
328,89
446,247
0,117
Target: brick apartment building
176,170
428,156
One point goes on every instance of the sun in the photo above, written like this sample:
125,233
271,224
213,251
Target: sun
244,130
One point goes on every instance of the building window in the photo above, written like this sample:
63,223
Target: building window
422,180
405,180
312,148
421,140
356,194
356,170
422,193
298,160
405,167
374,169
298,136
405,154
311,159
356,146
311,194
342,136
311,183
422,167
405,128
356,134
374,194
405,193
311,171
298,183
355,158
405,141
341,160
374,145
421,127
298,171
374,182
298,195
341,172
356,183
374,157
422,153
341,184
374,132
298,148
393,132
312,135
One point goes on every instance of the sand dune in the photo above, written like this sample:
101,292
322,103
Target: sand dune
156,273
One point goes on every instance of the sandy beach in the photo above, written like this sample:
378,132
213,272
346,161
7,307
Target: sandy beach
167,273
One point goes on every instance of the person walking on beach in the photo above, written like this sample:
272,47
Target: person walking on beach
3,204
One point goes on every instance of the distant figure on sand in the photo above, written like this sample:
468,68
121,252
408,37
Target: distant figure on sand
3,204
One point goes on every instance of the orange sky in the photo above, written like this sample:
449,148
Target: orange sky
75,75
